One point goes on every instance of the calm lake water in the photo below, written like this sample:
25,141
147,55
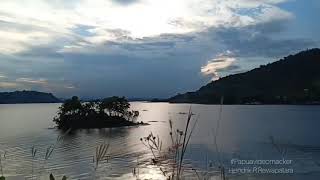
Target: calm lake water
244,133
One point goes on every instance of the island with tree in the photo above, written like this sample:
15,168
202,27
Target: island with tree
109,112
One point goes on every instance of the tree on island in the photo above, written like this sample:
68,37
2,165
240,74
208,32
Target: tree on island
110,112
114,106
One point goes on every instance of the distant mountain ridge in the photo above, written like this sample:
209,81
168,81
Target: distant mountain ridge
17,97
294,79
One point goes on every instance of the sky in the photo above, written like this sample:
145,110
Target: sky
145,48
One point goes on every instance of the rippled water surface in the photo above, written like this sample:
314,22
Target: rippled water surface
244,133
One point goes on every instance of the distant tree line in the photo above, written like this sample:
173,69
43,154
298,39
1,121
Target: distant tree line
295,79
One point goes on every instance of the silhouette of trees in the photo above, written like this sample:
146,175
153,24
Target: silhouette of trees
295,79
114,106
71,106
112,111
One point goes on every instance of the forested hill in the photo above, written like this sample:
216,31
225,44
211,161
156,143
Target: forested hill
27,97
292,80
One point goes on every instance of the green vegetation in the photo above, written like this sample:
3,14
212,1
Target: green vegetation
110,112
292,80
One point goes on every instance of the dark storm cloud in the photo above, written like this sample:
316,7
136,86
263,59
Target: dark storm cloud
256,44
266,39
41,51
133,76
161,42
145,46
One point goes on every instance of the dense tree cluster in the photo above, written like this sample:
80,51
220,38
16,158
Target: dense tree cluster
292,80
109,112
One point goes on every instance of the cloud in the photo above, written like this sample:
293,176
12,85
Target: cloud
222,62
97,21
241,27
139,48
8,85
32,81
251,41
69,87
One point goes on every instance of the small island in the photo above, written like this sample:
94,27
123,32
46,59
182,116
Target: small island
107,113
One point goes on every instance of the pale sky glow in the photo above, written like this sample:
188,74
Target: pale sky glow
66,46
33,81
146,18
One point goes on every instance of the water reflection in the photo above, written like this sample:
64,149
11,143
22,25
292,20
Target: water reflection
244,133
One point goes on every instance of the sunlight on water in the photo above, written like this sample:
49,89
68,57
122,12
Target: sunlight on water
244,133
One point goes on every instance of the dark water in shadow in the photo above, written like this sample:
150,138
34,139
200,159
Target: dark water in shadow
244,133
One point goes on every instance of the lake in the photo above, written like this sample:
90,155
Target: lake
244,133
